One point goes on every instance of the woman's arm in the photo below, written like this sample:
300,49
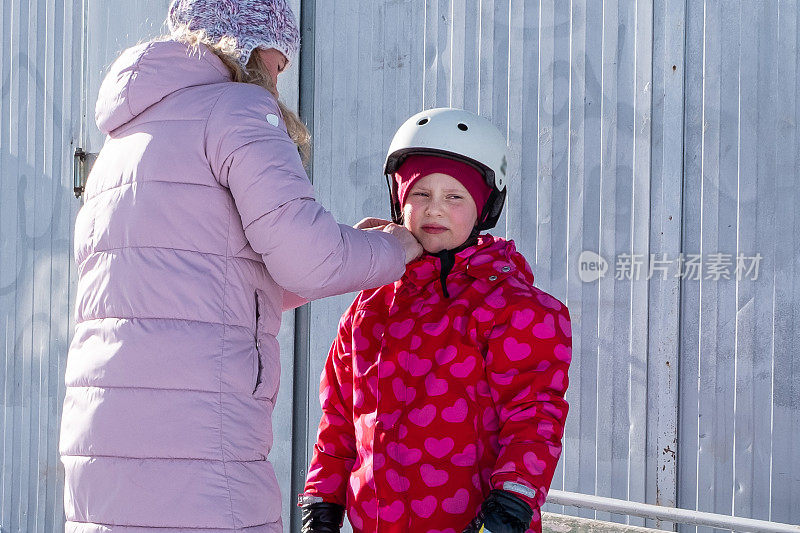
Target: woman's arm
305,250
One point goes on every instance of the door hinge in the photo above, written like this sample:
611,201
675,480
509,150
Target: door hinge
82,165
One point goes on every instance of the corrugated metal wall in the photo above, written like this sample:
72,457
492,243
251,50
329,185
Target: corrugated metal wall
740,349
598,100
39,119
637,127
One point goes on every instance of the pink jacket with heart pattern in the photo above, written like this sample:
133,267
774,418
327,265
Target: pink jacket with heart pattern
429,403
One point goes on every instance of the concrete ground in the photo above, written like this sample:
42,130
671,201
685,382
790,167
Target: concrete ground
556,523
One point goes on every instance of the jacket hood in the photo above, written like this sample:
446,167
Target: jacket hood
492,258
147,73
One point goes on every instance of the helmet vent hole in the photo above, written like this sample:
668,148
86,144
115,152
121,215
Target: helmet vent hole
462,126
422,122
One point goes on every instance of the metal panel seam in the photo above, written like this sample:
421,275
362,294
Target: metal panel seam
302,326
680,248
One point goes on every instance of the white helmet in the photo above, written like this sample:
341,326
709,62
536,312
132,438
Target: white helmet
460,135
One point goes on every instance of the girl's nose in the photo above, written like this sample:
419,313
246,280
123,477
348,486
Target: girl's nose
434,207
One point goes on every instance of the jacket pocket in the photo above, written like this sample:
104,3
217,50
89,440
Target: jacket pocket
258,365
267,367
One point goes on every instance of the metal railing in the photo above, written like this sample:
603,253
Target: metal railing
668,514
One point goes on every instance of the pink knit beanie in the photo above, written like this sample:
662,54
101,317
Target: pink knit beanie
251,23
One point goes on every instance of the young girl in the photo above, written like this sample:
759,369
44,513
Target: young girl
443,393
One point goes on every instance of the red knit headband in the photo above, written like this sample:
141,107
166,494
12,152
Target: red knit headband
418,166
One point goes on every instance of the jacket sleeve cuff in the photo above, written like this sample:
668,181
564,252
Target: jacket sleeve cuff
529,467
292,301
388,258
519,487
328,477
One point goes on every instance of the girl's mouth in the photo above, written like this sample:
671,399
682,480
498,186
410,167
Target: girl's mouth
434,229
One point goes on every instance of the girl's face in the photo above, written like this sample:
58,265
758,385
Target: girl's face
439,212
274,61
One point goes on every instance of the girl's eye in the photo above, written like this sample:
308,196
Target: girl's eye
419,194
455,197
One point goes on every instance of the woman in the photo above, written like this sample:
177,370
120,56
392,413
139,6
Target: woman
199,227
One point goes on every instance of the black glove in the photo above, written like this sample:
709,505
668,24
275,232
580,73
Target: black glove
322,517
502,512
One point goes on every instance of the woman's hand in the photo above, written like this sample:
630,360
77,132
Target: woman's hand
372,223
411,246
410,243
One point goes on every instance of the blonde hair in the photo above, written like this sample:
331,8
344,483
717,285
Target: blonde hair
255,72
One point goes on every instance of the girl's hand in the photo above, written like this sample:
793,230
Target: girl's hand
322,517
501,512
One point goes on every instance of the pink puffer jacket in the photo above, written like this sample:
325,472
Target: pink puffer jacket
199,227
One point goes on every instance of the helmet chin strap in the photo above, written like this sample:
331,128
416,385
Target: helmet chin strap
448,258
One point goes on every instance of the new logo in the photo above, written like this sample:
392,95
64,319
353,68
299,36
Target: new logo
591,266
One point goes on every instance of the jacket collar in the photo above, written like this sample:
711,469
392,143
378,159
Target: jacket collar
492,259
